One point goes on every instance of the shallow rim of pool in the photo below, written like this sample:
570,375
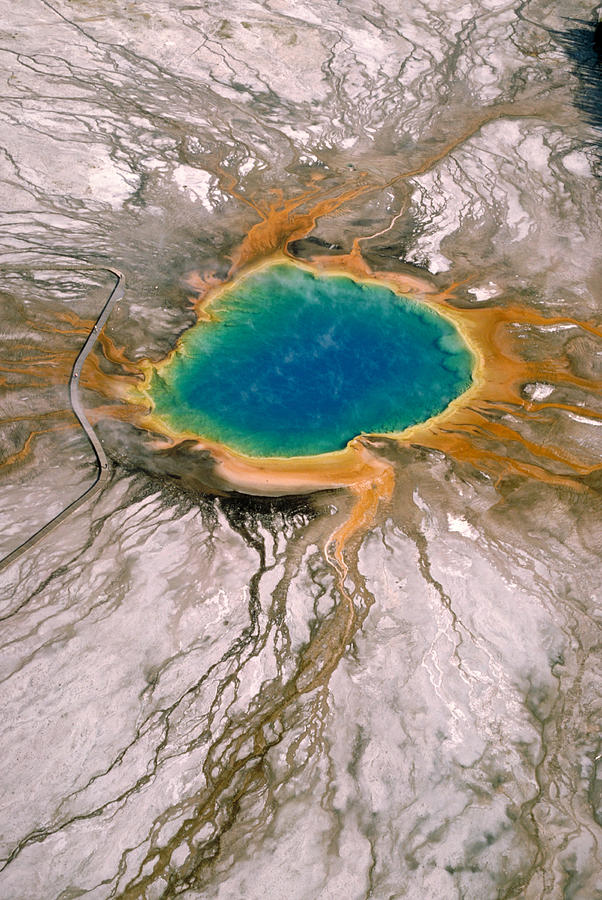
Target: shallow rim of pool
294,363
334,468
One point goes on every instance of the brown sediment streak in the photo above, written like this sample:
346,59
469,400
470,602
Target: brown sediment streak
40,362
533,406
22,453
116,354
25,450
80,330
479,118
53,370
72,318
28,417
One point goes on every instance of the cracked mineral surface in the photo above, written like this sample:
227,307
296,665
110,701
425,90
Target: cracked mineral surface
376,676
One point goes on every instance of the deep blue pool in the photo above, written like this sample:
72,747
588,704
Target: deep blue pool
295,363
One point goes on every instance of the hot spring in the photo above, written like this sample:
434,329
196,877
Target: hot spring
295,363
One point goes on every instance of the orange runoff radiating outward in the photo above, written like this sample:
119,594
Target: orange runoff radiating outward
479,427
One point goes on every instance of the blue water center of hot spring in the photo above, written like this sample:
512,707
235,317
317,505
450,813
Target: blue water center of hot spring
293,363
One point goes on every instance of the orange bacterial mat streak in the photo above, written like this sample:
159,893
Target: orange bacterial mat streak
23,453
284,224
368,495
